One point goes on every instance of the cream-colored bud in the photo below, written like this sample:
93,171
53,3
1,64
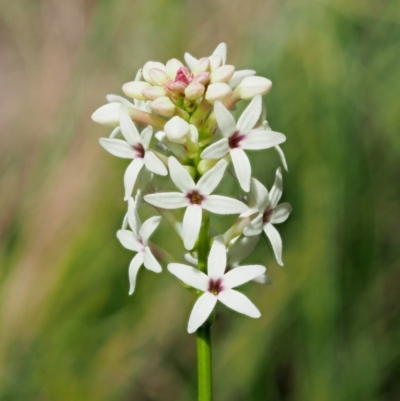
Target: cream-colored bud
222,74
217,91
215,61
154,92
202,65
172,67
252,86
159,77
163,106
176,129
150,65
134,89
194,90
202,78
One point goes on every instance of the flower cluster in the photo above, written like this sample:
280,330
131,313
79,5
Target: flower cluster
196,138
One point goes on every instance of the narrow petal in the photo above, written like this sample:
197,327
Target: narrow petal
250,116
212,178
282,156
154,164
260,193
242,274
180,176
221,50
276,191
241,249
167,200
145,136
150,262
275,240
133,217
257,140
223,205
238,76
115,132
190,61
148,228
216,150
242,167
225,120
281,213
191,225
216,263
134,267
129,241
239,303
201,311
128,128
118,147
130,176
255,227
189,275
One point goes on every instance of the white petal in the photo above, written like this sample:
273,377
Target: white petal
220,50
242,167
154,164
225,120
128,128
180,176
130,176
129,241
150,262
189,275
201,311
117,147
241,249
250,115
148,228
238,302
216,263
260,193
276,241
145,136
167,200
256,140
223,205
191,225
281,213
190,259
115,132
133,217
255,226
238,77
282,156
216,150
276,191
242,274
148,66
190,61
125,222
134,266
212,178
176,129
107,114
119,99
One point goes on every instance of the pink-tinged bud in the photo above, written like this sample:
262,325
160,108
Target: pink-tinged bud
154,92
134,89
163,106
172,67
202,65
148,66
202,78
252,86
176,129
159,77
222,74
217,91
194,91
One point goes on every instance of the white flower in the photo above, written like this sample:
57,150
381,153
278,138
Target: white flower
269,213
241,136
178,130
135,147
217,285
195,196
137,240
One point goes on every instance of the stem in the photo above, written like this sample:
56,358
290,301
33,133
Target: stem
204,361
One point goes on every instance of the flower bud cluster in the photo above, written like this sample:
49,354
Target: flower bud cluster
179,125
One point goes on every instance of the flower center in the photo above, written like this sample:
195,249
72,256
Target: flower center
235,139
215,286
195,198
139,149
267,215
183,75
183,78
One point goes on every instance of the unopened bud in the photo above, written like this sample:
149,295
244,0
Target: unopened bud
222,74
253,86
202,65
202,78
172,67
176,129
150,65
238,76
194,91
215,61
163,106
217,91
205,165
159,77
154,92
134,89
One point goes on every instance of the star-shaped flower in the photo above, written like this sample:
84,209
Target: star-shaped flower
217,285
240,136
135,147
195,197
138,240
269,213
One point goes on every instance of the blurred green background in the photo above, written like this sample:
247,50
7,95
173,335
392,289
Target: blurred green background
330,322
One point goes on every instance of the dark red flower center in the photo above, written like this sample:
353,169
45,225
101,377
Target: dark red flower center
235,139
195,197
215,286
267,215
139,149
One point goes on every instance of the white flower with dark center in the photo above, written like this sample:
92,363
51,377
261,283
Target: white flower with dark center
217,285
137,240
241,136
269,213
135,147
195,197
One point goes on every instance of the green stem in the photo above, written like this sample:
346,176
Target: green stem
204,361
